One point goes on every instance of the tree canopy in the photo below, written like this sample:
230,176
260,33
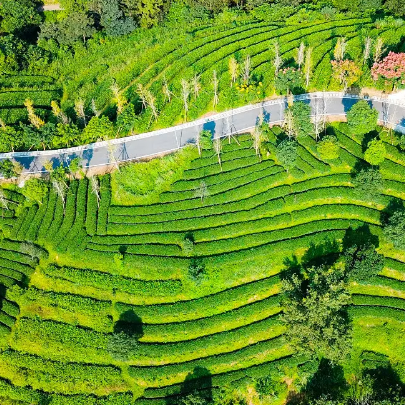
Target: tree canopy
362,118
314,311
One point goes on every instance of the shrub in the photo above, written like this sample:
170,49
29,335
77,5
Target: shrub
394,230
375,153
196,270
368,182
289,79
286,153
122,346
328,148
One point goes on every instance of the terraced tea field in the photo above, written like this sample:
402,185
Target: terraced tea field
156,58
72,276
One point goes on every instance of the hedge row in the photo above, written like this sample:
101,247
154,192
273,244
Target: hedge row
105,192
243,195
91,211
35,397
262,352
68,215
65,341
59,341
48,217
68,308
377,312
225,379
37,221
182,331
245,242
207,306
223,187
66,378
250,204
111,282
76,234
374,300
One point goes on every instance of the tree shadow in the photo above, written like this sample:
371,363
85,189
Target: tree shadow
325,253
367,138
393,206
328,381
196,389
359,237
130,324
359,166
386,382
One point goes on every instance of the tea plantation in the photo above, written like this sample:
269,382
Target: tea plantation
194,276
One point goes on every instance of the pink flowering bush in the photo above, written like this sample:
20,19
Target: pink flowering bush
392,67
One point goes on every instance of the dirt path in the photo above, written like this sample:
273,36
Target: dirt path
50,7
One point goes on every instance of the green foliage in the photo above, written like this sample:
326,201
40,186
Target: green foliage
206,139
18,16
35,190
196,270
289,80
375,153
394,230
362,118
286,153
143,183
122,346
368,182
328,148
113,19
301,119
7,169
77,26
314,312
99,128
363,262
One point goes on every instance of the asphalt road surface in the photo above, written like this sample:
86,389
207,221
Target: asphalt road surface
221,125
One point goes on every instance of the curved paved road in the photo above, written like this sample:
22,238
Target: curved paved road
221,125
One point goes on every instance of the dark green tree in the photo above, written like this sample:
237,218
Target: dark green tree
286,153
113,20
77,26
396,7
301,119
315,312
19,16
196,270
394,230
7,169
363,263
122,346
368,182
362,118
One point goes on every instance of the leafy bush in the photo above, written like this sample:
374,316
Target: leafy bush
375,153
286,153
328,148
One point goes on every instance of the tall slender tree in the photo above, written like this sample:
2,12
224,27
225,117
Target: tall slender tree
233,69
